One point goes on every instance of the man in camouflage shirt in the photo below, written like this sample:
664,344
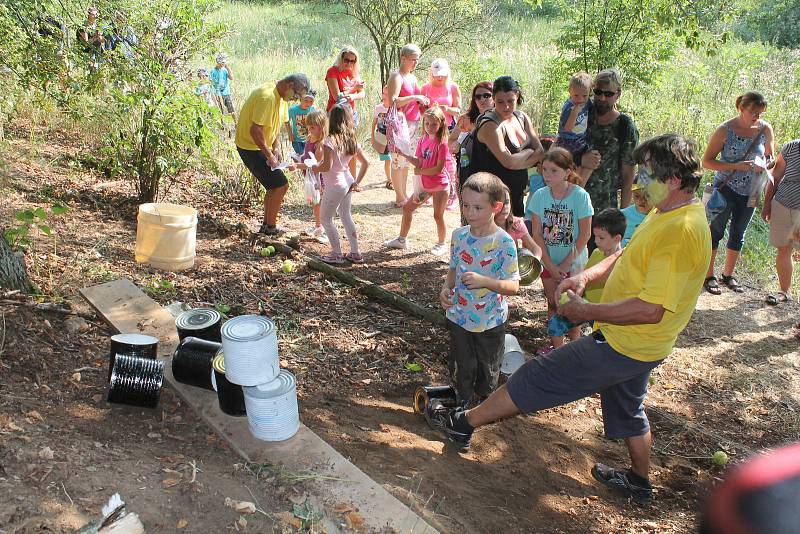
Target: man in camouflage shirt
608,164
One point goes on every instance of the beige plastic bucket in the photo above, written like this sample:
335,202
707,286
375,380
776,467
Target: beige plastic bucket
165,236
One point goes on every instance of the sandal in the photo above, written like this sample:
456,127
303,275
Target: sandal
732,284
356,188
389,185
333,259
712,286
776,298
355,258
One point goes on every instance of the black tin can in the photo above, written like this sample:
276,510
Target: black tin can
191,361
136,381
137,345
229,395
203,323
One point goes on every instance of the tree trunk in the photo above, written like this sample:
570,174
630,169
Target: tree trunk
12,269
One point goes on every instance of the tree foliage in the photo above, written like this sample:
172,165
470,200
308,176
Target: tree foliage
159,123
427,23
154,125
775,21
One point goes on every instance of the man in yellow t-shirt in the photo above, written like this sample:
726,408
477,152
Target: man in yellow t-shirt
260,121
651,290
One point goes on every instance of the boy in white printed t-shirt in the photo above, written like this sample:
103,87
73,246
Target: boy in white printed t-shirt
483,271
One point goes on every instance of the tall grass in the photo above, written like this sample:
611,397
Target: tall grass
692,95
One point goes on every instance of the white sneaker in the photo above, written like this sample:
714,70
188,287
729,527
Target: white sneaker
318,231
311,231
322,238
397,242
439,249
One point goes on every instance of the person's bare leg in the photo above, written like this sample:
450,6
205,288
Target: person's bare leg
408,215
710,272
783,264
439,205
731,257
496,407
267,195
399,178
639,450
273,201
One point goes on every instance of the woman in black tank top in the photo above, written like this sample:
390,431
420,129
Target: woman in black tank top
505,143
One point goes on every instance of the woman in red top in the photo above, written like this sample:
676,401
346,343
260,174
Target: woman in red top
342,78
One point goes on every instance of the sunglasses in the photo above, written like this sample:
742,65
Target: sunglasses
483,95
347,60
607,94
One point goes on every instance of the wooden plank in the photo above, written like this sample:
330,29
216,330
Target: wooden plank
127,309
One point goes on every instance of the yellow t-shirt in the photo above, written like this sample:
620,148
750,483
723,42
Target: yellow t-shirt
664,263
594,290
266,108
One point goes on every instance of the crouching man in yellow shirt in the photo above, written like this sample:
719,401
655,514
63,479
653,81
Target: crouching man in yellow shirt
651,288
260,121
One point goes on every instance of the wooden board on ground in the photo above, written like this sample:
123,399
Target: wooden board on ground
127,309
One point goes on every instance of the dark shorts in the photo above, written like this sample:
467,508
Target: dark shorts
583,368
228,103
474,359
256,162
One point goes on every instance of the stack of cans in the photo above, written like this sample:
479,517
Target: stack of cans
250,351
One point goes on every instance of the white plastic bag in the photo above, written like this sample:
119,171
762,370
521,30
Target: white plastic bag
311,188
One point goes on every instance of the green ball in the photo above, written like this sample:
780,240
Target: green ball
564,298
271,250
287,266
720,458
264,252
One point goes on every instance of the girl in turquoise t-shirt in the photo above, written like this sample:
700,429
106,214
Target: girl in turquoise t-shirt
562,224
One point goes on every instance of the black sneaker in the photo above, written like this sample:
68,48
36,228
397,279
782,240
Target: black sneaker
445,420
430,412
619,481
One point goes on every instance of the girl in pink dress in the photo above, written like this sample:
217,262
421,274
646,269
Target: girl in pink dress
429,160
340,146
445,94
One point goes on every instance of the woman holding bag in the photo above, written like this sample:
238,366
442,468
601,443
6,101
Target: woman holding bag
403,92
732,152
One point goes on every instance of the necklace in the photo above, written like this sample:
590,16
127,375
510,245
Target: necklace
563,195
679,205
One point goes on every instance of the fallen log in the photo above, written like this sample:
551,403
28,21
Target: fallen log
364,286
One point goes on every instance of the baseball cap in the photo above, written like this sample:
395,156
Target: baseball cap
440,67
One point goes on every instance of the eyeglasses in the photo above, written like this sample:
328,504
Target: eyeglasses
351,61
607,94
483,95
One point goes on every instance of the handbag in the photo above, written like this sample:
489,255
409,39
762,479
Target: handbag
715,201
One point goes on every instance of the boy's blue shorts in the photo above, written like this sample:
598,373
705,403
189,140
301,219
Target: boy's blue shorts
580,369
385,157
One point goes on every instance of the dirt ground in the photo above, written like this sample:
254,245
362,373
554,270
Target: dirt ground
730,384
